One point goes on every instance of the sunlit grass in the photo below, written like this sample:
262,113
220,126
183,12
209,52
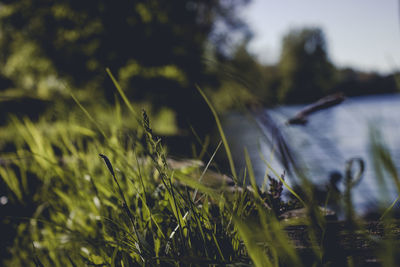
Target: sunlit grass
105,194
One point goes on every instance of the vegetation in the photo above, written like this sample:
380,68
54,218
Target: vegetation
127,211
303,74
154,48
304,66
93,195
86,179
49,49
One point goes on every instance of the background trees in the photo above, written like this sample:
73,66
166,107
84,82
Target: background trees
158,51
305,69
155,48
303,74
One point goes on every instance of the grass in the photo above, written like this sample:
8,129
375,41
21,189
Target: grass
103,197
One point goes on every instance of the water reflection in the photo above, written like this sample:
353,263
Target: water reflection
330,138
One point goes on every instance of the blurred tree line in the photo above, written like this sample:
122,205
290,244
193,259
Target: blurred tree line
303,74
154,48
159,51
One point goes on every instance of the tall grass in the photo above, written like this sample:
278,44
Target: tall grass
103,198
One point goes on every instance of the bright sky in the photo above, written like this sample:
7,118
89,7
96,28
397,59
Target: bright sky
364,34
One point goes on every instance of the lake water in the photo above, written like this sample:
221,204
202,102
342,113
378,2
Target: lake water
325,143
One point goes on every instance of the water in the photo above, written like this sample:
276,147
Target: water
330,138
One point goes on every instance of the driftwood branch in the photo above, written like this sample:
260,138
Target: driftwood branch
323,103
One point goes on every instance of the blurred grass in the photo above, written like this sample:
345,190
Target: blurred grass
130,207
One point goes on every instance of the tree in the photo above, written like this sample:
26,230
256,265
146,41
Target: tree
245,79
306,72
155,48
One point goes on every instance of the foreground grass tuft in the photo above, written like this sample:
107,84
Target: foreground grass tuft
134,206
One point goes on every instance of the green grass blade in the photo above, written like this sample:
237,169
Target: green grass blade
121,92
388,209
88,115
251,173
257,255
221,132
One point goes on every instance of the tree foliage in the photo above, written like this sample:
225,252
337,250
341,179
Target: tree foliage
306,71
154,47
244,80
303,74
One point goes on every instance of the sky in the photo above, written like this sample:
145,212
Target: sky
362,34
